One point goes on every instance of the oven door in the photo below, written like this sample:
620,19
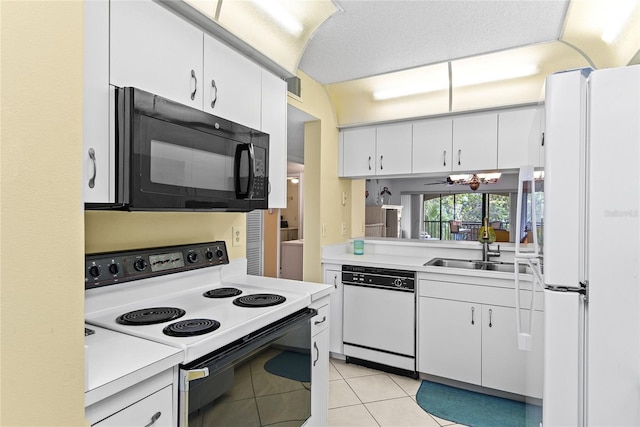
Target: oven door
261,379
179,158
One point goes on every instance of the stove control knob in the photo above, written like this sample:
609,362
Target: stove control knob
113,268
94,271
209,255
192,257
397,283
140,264
220,253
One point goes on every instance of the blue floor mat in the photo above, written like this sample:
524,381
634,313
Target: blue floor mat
288,364
476,409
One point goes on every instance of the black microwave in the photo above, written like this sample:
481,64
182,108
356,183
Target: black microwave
171,157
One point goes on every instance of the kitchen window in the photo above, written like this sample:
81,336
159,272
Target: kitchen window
459,216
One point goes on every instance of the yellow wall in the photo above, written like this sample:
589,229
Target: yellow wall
111,231
41,219
323,189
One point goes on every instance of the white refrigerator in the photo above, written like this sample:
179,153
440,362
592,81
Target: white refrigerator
592,248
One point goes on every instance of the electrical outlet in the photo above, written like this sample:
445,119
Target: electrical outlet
344,229
236,238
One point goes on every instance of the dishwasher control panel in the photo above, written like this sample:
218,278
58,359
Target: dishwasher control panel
379,277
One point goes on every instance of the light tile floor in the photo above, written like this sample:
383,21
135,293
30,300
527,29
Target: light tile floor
360,396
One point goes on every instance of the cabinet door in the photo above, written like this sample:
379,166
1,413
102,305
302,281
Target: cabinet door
156,51
359,152
432,145
274,122
393,149
449,341
319,378
475,142
519,138
97,157
504,366
232,84
155,410
333,276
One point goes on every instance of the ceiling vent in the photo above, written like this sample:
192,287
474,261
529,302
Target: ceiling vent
293,86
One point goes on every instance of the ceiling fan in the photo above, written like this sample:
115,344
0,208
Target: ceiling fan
472,180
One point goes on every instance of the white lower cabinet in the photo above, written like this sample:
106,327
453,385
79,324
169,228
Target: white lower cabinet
319,364
463,337
450,339
333,276
151,402
154,410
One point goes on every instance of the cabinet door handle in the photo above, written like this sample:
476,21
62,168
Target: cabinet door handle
154,418
444,158
215,95
335,281
92,156
369,162
543,139
473,313
490,319
381,163
315,346
317,322
459,157
195,88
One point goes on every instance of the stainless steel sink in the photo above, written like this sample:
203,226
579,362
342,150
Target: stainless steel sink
505,267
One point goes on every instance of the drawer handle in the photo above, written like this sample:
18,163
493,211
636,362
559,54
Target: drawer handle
473,312
215,96
154,418
195,89
315,345
92,156
317,322
490,320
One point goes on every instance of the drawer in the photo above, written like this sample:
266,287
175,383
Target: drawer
320,322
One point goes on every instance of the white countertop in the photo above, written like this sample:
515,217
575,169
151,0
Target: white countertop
116,361
412,255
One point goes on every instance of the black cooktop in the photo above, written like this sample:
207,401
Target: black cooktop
222,293
191,327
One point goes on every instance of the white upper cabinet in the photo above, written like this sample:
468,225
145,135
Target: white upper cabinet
274,122
519,138
381,151
359,152
475,142
97,154
154,50
432,146
231,85
393,149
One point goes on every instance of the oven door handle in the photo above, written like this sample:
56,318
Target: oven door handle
192,375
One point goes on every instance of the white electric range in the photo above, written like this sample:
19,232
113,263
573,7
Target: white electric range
178,296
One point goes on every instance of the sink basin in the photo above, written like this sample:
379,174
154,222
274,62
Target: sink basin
504,267
456,263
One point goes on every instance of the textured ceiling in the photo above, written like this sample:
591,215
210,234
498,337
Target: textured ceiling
376,37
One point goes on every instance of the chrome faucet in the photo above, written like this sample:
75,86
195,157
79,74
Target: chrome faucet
488,253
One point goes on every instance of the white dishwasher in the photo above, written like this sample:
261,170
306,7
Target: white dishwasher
379,327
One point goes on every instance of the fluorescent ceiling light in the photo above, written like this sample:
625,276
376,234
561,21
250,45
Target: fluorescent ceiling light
282,16
380,95
490,176
471,79
620,12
